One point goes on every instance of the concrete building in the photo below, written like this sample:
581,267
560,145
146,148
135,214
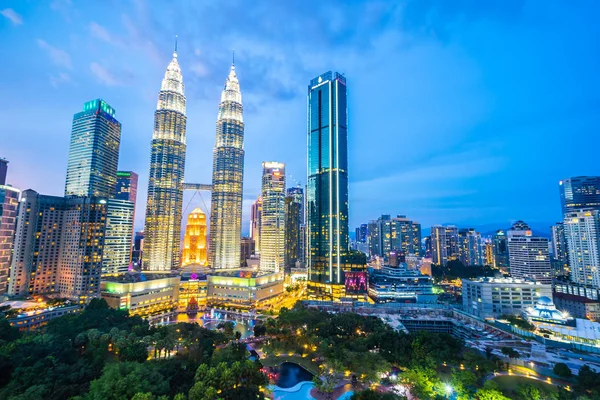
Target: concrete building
272,230
243,289
193,289
444,244
471,250
9,203
59,245
492,297
119,236
146,295
577,306
400,285
582,234
529,257
398,234
247,250
255,223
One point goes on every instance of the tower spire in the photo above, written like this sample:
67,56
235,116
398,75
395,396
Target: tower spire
175,52
233,57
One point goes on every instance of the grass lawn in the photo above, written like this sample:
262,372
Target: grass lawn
271,361
510,383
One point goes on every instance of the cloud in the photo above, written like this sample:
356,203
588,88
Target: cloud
104,75
199,69
11,14
100,32
61,78
58,56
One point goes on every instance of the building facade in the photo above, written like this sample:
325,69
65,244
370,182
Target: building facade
167,166
493,297
398,234
444,244
471,248
327,189
94,151
580,192
560,252
9,204
247,249
227,178
500,245
582,234
272,233
243,289
294,205
255,221
120,215
400,285
194,240
529,258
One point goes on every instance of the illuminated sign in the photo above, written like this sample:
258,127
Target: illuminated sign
355,282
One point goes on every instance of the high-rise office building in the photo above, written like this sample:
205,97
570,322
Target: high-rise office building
9,203
94,151
582,234
127,183
327,189
58,246
255,218
362,233
399,235
272,233
119,237
580,192
227,178
138,247
246,250
560,251
471,248
292,232
444,244
528,255
489,252
194,241
167,166
3,170
294,221
500,245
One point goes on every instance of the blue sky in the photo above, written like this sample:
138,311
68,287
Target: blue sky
464,111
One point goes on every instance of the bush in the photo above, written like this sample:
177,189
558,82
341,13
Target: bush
562,370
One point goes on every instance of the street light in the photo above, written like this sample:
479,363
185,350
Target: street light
448,389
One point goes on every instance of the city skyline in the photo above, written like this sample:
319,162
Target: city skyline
477,153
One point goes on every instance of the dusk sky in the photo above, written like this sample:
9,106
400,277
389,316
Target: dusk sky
465,112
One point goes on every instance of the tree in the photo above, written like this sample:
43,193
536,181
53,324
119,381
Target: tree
260,330
562,370
125,379
238,335
373,395
490,394
510,352
528,392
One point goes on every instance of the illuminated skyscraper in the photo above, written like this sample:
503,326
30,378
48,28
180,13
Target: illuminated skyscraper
327,189
294,221
255,217
272,234
165,185
444,244
582,234
579,192
94,151
194,241
227,179
9,202
119,237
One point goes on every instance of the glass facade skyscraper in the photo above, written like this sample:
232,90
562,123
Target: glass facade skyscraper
294,221
162,241
272,234
227,179
581,192
94,151
9,203
327,189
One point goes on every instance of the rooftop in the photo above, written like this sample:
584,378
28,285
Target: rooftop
133,277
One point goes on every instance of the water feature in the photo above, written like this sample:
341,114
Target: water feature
210,321
290,374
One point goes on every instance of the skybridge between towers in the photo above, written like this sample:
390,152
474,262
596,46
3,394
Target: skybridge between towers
197,186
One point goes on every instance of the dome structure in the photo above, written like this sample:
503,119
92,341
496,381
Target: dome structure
545,310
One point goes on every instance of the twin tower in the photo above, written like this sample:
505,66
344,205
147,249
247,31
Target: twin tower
162,232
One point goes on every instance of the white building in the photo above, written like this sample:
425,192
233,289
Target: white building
492,297
529,258
582,233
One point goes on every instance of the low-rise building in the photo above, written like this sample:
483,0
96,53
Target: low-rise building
193,288
492,297
577,306
243,288
31,320
146,295
400,284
